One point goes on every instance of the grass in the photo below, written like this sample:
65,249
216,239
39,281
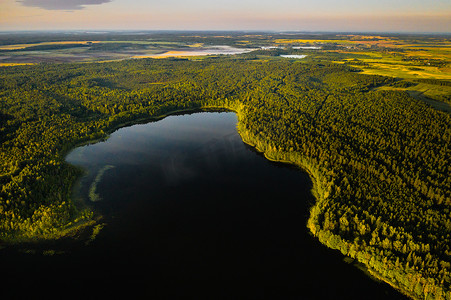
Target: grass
196,45
14,64
439,105
407,65
435,95
404,71
433,91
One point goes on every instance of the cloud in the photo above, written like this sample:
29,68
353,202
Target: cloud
62,4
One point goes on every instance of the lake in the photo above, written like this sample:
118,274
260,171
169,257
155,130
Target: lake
199,51
191,211
294,56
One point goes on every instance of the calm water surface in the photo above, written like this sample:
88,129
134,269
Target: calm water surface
192,212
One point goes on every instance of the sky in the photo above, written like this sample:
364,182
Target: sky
275,15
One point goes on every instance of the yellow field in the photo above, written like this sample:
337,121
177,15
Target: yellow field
363,37
197,45
355,39
431,52
425,60
395,67
172,54
302,41
403,72
14,64
388,65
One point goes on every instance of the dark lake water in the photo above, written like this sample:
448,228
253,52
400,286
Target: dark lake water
191,212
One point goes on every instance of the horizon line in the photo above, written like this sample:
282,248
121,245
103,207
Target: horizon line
99,31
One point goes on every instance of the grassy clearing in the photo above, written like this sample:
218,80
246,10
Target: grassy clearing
433,91
437,96
439,105
197,45
443,53
404,71
14,64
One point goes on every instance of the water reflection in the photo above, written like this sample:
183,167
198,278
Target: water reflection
193,212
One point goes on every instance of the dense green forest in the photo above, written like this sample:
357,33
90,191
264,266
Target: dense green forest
379,160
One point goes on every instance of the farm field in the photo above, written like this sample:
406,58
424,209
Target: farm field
424,62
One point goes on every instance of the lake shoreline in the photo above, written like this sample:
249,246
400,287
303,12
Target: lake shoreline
319,193
85,230
82,226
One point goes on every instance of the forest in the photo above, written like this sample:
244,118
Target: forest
379,159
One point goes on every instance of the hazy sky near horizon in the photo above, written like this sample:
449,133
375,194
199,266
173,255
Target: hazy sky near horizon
302,15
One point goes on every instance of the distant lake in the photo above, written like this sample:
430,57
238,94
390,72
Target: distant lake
199,51
294,56
192,211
